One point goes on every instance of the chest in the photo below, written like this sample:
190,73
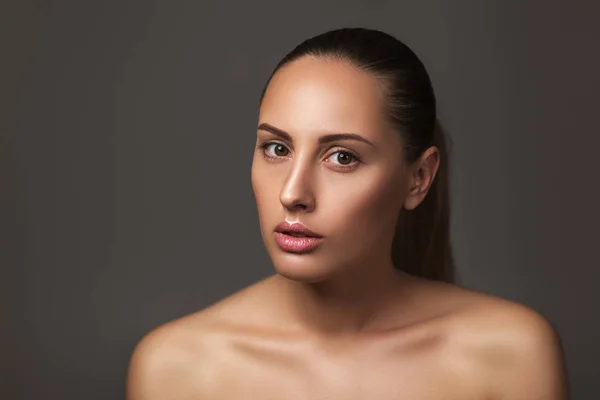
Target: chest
424,374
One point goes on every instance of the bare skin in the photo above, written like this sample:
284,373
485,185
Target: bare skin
341,322
449,343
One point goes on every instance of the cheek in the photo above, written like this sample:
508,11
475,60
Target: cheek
258,186
367,206
266,189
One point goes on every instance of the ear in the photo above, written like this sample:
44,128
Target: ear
421,176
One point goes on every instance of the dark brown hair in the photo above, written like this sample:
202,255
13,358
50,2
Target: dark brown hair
421,243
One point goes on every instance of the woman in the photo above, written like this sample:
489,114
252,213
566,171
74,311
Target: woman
350,180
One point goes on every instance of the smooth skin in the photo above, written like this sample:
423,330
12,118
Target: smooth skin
340,322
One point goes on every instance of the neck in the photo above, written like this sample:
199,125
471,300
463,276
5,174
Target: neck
357,301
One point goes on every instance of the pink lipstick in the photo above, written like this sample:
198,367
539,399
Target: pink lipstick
296,238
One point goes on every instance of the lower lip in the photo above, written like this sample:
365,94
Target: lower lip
295,244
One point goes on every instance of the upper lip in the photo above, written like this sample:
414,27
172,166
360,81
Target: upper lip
286,227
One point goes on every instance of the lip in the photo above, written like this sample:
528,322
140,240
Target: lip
298,245
293,244
297,227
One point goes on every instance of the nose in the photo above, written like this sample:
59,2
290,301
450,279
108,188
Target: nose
297,193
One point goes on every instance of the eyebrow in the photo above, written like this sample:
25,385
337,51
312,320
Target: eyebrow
331,137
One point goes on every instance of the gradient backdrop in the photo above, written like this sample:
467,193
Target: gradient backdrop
127,137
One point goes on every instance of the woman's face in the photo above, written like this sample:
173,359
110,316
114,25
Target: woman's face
347,189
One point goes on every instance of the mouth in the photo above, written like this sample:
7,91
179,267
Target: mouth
296,238
297,244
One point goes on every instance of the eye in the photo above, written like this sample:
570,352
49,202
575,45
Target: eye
343,158
274,150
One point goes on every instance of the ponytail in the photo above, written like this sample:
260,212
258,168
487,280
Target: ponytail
421,244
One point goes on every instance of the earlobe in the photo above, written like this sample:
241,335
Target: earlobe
420,185
422,177
415,196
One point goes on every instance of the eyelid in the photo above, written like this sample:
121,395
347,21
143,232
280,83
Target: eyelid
267,142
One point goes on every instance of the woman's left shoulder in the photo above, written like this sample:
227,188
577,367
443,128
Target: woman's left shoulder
516,323
516,347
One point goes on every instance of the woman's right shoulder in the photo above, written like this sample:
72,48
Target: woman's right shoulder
163,360
180,357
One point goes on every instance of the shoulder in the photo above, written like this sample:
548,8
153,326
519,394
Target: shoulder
162,361
185,355
515,349
523,355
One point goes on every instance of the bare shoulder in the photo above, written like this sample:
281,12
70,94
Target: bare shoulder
516,350
162,362
180,358
522,353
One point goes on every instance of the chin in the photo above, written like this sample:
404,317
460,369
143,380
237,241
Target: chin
301,267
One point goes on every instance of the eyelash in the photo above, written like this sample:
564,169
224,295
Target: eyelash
353,165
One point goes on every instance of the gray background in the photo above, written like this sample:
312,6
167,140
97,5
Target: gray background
127,137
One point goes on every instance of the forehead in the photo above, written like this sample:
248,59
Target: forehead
310,95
